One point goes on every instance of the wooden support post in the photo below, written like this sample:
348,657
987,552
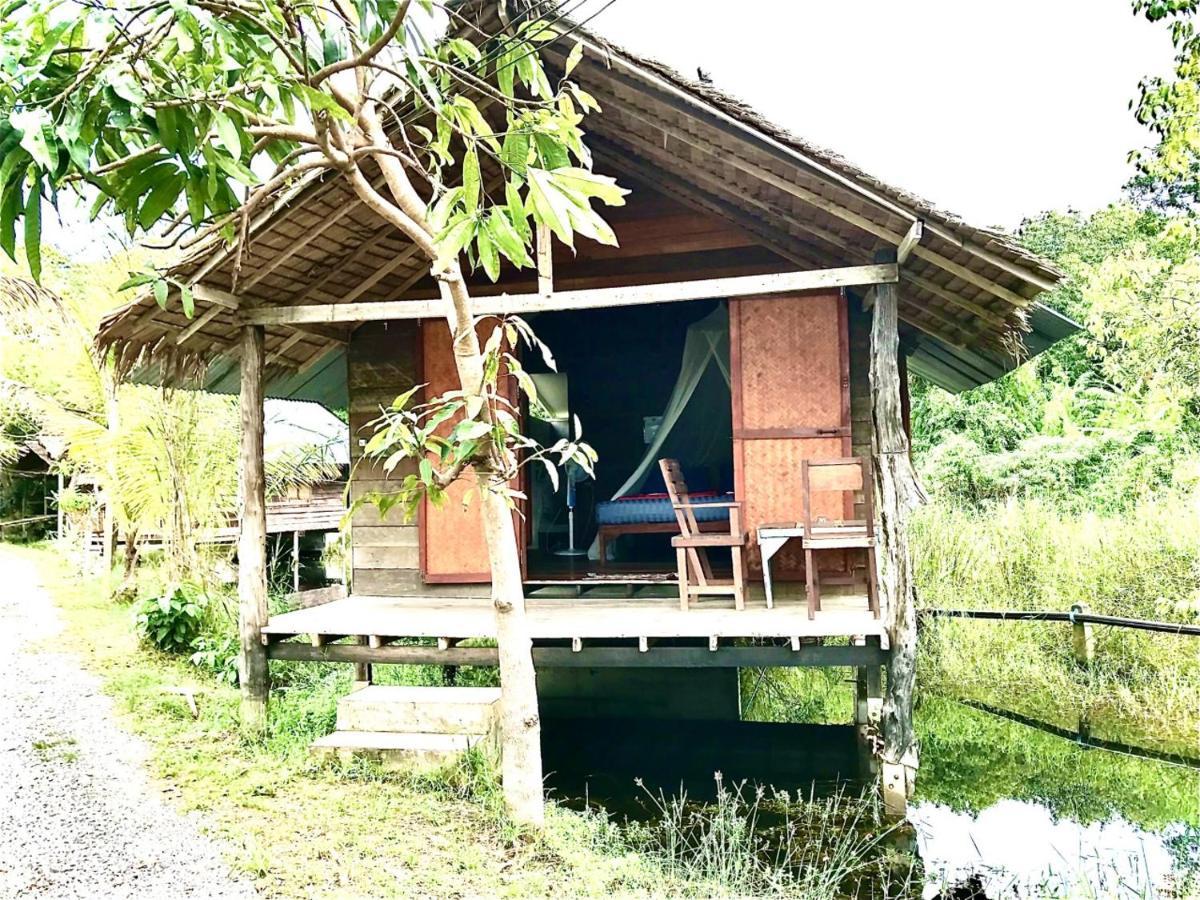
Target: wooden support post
1082,640
868,706
363,674
545,260
898,494
295,562
252,541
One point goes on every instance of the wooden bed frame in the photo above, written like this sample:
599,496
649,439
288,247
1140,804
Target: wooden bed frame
607,533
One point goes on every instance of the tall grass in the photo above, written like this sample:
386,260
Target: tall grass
1144,687
749,842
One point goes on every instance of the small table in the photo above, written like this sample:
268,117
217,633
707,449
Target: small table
771,539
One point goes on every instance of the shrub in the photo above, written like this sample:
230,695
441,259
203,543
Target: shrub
219,655
172,620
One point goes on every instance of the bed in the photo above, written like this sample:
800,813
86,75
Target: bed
651,514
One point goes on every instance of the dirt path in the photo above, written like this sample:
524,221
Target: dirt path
78,816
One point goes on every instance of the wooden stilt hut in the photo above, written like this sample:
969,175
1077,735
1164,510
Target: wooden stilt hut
831,286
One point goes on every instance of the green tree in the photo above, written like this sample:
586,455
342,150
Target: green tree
1169,173
175,114
1101,417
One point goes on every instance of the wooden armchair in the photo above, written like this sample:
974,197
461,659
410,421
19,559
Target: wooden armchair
846,474
692,544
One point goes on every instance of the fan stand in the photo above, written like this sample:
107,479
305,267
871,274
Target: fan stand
571,549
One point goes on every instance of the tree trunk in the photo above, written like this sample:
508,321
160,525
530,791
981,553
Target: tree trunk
520,724
108,548
252,539
899,493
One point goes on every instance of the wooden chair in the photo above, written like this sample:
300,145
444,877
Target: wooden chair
692,544
846,474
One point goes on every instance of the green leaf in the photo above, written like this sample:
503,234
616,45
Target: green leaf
136,280
33,123
33,229
517,213
488,257
552,153
471,180
550,206
236,170
186,299
573,59
507,240
583,183
451,243
166,120
515,151
160,199
228,134
160,292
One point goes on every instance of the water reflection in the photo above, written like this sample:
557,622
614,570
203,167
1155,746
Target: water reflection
1016,848
1012,810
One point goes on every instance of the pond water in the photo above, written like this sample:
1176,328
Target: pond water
1001,809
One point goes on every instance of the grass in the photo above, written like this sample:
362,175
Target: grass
300,829
1143,688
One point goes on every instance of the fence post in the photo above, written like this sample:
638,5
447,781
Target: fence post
1083,643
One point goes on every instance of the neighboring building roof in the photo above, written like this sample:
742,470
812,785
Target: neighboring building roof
968,294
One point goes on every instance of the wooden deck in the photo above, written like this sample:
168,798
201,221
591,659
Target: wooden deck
607,616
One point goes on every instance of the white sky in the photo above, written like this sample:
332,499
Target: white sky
993,111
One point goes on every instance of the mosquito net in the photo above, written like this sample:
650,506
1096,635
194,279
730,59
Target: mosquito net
695,427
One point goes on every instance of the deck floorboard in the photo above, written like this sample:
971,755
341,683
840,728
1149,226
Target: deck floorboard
581,617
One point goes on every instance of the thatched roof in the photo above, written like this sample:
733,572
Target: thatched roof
968,293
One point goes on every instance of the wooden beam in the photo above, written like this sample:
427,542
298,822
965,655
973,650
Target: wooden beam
634,295
252,540
911,239
591,657
291,341
209,294
199,323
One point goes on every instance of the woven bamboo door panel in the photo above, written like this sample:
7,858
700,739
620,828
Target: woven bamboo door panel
790,387
453,548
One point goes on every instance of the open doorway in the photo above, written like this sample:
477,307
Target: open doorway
646,382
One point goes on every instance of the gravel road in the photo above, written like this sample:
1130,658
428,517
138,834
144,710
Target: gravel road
78,816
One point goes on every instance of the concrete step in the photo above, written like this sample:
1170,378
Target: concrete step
420,710
395,750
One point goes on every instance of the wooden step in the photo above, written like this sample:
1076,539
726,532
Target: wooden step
419,710
397,751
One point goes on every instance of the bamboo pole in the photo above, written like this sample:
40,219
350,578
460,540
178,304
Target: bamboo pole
252,541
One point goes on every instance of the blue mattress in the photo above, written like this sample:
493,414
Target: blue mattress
657,508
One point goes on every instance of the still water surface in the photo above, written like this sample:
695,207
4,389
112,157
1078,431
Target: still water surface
1000,806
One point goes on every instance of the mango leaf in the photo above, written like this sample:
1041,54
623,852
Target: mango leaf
136,279
33,124
573,59
488,257
12,203
187,300
33,229
550,206
160,292
514,153
471,183
506,238
552,153
160,199
452,241
228,134
583,183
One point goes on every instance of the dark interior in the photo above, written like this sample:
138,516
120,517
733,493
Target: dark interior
621,366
